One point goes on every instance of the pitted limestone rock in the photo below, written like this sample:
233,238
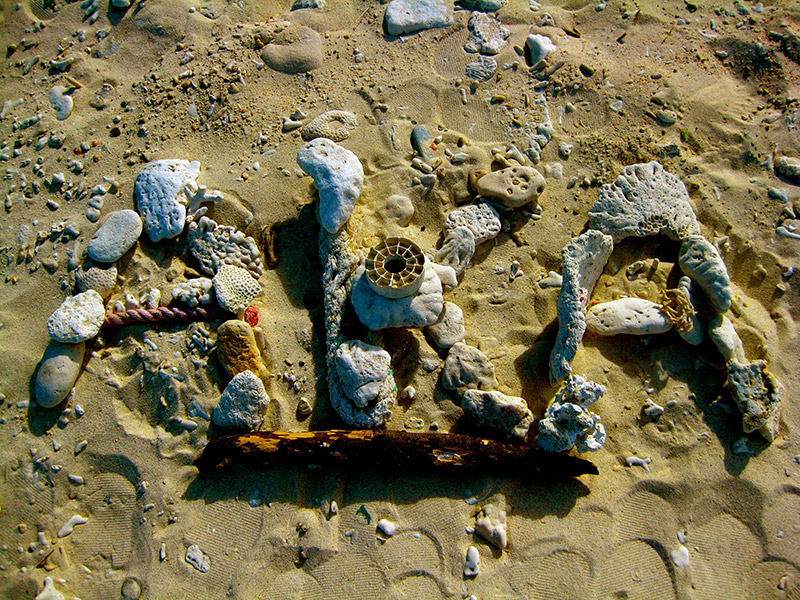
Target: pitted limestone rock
78,319
494,409
723,334
701,261
644,200
336,125
466,367
631,316
158,190
449,329
513,186
567,421
242,404
457,249
235,288
213,244
757,394
362,370
481,219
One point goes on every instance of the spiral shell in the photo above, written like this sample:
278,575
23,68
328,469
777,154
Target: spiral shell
394,267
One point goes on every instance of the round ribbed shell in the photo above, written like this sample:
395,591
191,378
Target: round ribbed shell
394,267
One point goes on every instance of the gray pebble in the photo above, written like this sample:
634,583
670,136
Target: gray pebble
115,236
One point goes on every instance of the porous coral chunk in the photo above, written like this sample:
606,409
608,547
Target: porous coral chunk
235,288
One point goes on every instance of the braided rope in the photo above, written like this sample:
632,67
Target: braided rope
162,313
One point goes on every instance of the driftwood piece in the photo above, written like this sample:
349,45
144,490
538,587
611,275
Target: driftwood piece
393,451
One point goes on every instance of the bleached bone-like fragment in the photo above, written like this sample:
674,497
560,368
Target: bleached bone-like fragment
632,316
700,260
644,200
723,334
757,394
567,421
583,259
339,177
481,219
509,414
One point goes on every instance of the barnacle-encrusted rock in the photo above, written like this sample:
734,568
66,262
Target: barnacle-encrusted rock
376,311
336,125
115,236
494,409
757,394
568,423
213,244
58,370
583,259
694,334
644,200
513,186
159,196
466,367
481,219
100,279
700,260
193,292
235,288
237,349
362,369
339,177
78,319
723,334
457,249
632,316
242,404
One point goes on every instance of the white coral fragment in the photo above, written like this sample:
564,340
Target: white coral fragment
568,423
362,369
508,414
159,196
632,316
213,244
481,219
757,394
79,318
644,200
235,288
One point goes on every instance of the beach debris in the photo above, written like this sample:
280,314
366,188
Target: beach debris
377,311
69,526
472,562
757,393
101,279
466,367
788,167
482,69
398,208
386,527
336,125
540,134
78,319
635,461
304,407
394,267
234,287
487,34
677,305
509,414
551,280
457,249
651,409
583,259
403,17
160,198
339,177
57,373
49,591
213,245
631,316
392,451
538,47
513,186
644,200
481,219
701,261
198,559
694,334
723,334
238,351
363,370
338,265
115,236
242,403
61,102
155,315
194,291
490,524
291,48
568,423
449,328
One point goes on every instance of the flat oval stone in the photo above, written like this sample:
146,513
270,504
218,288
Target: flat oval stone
115,236
60,367
512,186
78,319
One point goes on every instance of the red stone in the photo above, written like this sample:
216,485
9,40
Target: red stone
251,316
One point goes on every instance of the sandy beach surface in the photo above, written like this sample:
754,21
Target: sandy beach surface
99,493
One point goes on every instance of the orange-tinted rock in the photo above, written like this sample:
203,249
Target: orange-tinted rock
238,351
